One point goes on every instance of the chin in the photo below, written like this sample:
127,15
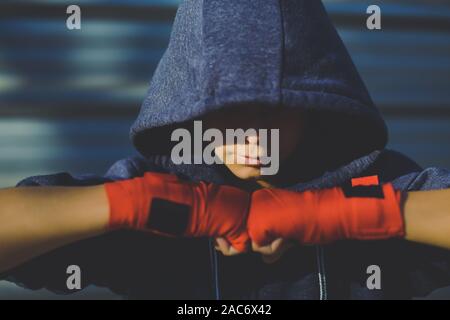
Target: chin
245,172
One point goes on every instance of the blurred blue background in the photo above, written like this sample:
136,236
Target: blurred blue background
68,97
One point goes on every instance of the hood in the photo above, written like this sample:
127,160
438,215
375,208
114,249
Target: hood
283,54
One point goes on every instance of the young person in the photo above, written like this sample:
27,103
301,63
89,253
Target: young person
339,204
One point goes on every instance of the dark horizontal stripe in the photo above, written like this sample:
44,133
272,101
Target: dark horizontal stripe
131,71
74,111
59,93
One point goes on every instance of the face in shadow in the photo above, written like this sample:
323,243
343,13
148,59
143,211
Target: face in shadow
244,159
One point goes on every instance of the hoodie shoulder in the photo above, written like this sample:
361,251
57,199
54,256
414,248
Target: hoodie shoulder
406,174
431,178
126,168
134,166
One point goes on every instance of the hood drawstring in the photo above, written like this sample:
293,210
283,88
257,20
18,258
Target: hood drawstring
214,269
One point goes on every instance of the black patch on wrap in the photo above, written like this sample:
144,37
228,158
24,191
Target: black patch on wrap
375,191
168,217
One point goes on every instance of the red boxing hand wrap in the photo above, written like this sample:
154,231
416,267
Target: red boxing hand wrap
323,216
165,205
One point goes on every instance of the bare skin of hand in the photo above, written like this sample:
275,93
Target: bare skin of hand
270,253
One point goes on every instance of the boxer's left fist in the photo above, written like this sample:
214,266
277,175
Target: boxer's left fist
323,216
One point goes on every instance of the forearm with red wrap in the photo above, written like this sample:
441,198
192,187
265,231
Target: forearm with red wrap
166,205
364,212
